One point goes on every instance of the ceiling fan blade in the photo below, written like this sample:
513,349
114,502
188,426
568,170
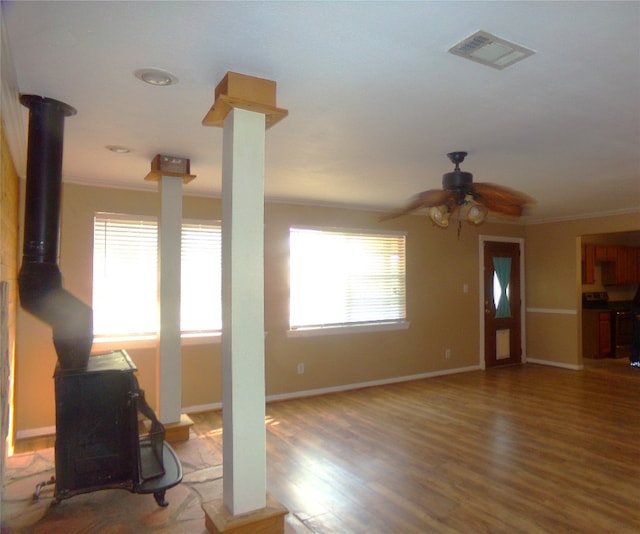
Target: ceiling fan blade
426,199
500,199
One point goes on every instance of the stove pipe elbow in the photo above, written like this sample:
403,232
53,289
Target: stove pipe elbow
40,281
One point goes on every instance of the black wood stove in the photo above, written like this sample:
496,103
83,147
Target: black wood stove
99,411
98,402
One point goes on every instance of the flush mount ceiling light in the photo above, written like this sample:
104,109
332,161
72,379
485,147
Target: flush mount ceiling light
483,47
157,77
118,149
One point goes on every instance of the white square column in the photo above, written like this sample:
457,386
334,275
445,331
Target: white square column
244,106
243,392
169,393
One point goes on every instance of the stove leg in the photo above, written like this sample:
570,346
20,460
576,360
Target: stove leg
159,497
40,485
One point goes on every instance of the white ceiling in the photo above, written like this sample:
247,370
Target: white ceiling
375,100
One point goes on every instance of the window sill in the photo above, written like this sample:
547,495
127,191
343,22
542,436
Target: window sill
148,342
348,329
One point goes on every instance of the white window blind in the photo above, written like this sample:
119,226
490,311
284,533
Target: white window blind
342,278
201,275
125,277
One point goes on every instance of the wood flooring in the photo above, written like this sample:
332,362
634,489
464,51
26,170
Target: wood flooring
529,449
521,449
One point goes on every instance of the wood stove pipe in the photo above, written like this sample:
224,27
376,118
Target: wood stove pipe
40,279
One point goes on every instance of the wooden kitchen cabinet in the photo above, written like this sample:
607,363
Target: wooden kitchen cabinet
631,267
606,252
624,269
604,334
619,265
588,264
596,334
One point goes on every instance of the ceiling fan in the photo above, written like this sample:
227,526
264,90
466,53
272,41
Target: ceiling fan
459,192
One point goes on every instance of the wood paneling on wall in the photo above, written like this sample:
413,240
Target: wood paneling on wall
9,207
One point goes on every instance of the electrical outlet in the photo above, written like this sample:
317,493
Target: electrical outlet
447,354
301,368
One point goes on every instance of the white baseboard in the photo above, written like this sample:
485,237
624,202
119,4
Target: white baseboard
212,407
360,385
573,367
335,389
50,430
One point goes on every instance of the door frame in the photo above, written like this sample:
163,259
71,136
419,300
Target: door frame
523,334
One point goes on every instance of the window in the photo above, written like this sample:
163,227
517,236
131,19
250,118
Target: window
125,281
340,278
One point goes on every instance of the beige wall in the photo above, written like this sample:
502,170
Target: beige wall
553,285
36,356
441,315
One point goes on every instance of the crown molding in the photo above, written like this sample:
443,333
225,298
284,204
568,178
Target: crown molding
575,217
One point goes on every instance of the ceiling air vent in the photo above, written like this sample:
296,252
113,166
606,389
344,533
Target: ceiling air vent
482,47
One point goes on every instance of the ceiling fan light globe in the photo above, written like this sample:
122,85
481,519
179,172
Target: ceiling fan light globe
477,214
440,215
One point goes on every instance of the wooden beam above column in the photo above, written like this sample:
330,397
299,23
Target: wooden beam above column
164,165
244,92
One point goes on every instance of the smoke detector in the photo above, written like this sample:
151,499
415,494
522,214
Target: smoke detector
483,47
